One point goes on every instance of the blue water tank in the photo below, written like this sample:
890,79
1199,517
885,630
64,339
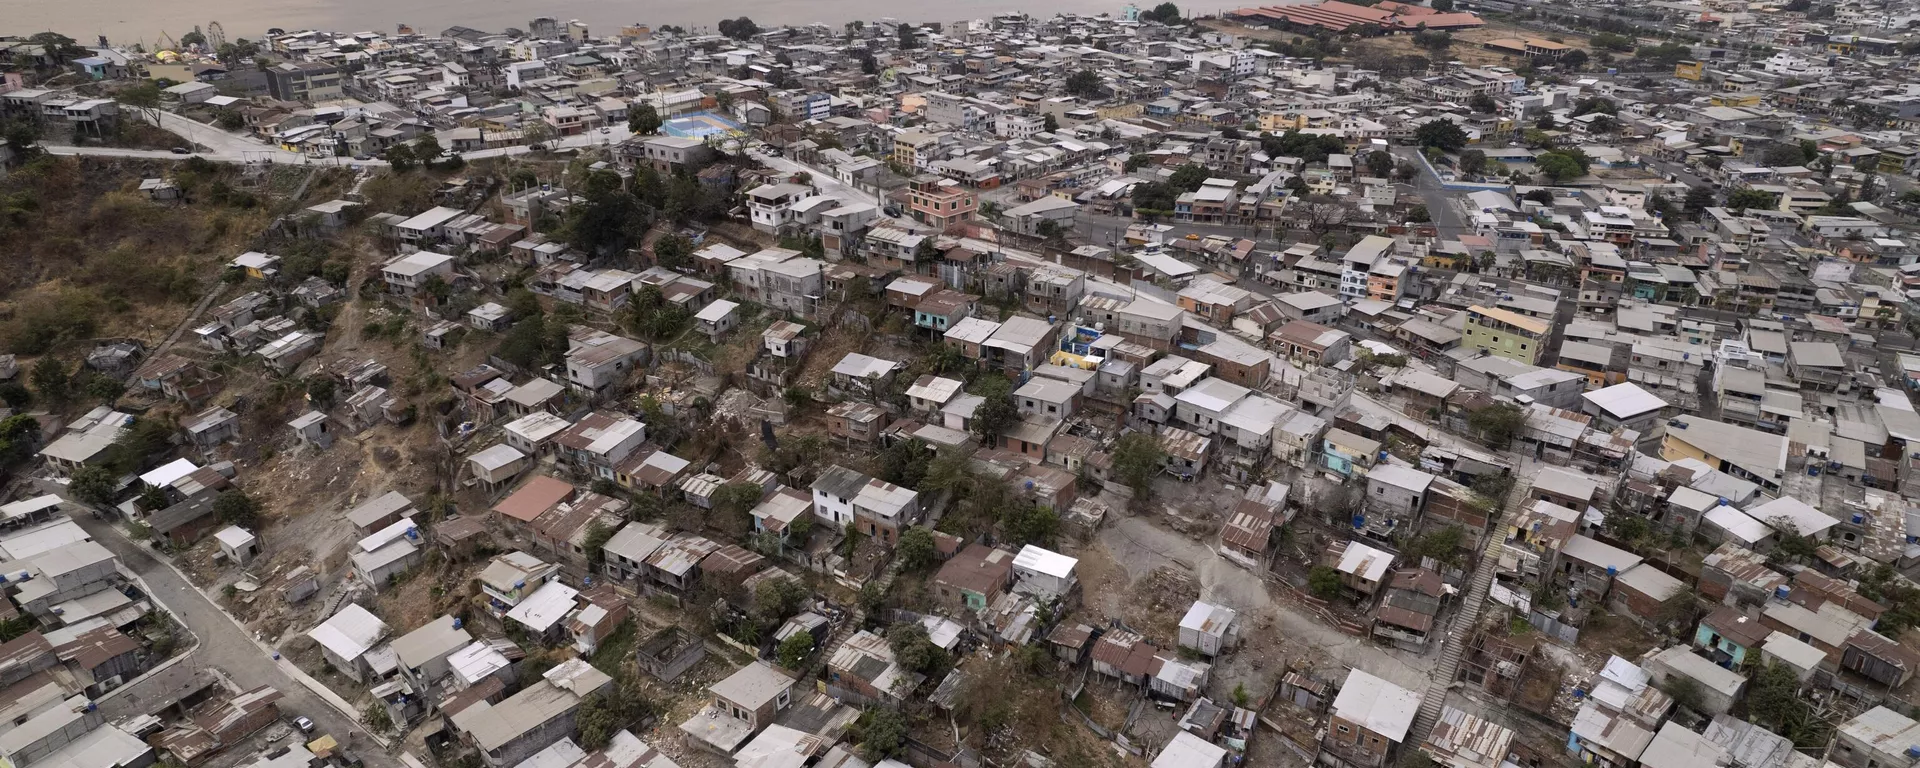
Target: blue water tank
1859,518
1579,693
1612,571
1359,521
1782,591
457,621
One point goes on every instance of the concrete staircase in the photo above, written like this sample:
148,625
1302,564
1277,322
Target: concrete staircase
1465,619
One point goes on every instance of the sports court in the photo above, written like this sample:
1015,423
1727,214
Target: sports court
700,125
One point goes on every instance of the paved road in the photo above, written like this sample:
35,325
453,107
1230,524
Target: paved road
1447,217
224,645
823,181
222,146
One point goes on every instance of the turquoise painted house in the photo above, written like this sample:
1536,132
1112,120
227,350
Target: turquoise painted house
1730,636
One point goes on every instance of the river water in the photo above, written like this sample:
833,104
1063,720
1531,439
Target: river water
144,21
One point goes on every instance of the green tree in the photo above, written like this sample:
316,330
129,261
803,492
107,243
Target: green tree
1137,459
1419,214
1498,424
50,380
1443,134
997,413
908,41
1483,103
234,507
1189,177
1698,199
400,157
1026,523
642,119
882,733
1165,13
1748,197
794,650
598,534
376,718
92,484
913,649
1049,123
776,600
1324,583
1472,161
1084,83
609,220
741,28
1558,167
916,550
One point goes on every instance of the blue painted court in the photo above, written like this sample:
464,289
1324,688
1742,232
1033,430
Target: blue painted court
700,125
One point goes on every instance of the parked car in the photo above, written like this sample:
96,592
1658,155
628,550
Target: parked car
303,723
181,150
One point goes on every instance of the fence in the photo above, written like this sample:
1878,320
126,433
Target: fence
1552,627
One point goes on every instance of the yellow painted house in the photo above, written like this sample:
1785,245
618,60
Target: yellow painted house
1690,70
1503,333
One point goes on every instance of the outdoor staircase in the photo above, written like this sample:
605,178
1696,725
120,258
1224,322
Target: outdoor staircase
1465,620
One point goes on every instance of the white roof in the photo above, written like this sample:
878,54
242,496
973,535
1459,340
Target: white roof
716,311
1738,524
1190,751
1599,554
165,474
1208,618
1401,477
234,537
1213,395
1044,561
349,633
861,366
496,457
544,608
476,661
1806,520
1377,705
1366,562
416,263
431,218
938,389
1625,401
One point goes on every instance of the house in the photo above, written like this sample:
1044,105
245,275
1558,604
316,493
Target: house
1209,629
744,704
347,638
863,671
1189,751
858,375
542,713
1046,397
599,362
498,464
411,273
383,555
1362,568
856,421
511,578
540,613
425,652
211,427
238,544
717,318
1462,740
379,512
1370,717
1124,656
971,579
1748,454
